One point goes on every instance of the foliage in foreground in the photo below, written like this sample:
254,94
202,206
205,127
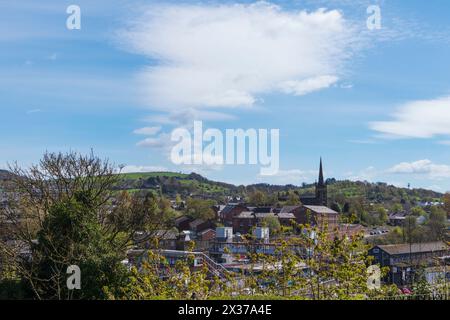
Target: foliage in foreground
337,270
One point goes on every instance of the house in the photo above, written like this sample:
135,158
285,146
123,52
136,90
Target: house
182,223
231,210
404,259
207,235
285,218
167,239
244,221
294,211
320,216
218,210
199,225
397,219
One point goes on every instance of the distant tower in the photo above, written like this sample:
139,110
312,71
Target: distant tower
321,188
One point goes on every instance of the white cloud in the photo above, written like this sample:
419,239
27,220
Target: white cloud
134,169
444,142
227,56
418,119
32,111
422,167
291,176
187,116
161,141
148,131
303,87
346,86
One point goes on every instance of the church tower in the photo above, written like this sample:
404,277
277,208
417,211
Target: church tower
321,188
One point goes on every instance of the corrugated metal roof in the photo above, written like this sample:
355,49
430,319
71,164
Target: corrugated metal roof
414,248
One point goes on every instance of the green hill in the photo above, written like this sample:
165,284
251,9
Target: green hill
170,184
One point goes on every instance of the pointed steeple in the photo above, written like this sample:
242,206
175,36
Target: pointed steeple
321,188
321,182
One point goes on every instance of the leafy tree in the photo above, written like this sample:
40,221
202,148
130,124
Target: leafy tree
409,228
178,199
72,235
272,223
258,198
421,287
418,211
310,266
437,223
293,199
64,211
382,215
336,207
397,208
447,203
200,209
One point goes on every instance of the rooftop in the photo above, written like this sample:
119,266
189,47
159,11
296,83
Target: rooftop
289,209
394,249
321,209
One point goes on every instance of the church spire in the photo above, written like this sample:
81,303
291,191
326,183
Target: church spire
321,182
321,188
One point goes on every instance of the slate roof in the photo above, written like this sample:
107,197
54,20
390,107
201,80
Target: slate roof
395,249
181,219
262,210
229,207
167,234
289,209
194,224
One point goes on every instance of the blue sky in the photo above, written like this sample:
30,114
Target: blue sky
375,104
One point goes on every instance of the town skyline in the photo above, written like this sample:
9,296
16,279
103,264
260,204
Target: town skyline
373,103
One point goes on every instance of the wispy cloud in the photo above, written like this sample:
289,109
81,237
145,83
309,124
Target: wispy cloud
161,141
32,111
364,141
367,174
289,176
444,142
417,119
300,88
148,131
